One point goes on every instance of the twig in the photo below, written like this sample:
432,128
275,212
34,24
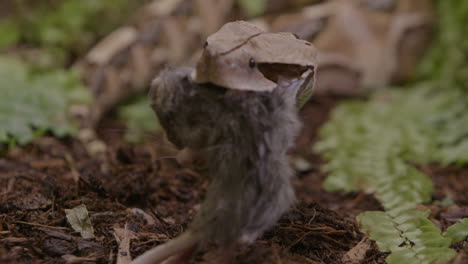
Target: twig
46,226
50,163
123,237
299,240
321,228
277,257
333,240
9,188
313,217
14,239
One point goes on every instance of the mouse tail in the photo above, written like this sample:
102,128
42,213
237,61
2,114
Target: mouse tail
187,241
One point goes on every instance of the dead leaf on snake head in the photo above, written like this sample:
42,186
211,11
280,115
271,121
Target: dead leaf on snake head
243,57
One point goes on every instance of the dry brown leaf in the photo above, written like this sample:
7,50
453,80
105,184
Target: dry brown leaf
230,56
123,237
357,254
79,220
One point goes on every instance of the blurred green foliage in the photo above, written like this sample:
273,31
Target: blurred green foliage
446,66
458,231
10,34
70,21
139,119
62,29
447,62
33,103
36,91
372,146
253,7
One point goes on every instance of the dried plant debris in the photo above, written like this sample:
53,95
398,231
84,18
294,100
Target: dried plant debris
123,237
36,183
310,230
358,253
80,222
171,196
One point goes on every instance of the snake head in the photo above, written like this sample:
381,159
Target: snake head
242,56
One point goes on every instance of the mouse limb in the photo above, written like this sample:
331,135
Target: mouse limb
180,248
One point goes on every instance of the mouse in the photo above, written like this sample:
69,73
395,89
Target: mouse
237,110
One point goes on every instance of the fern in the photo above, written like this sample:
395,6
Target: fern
447,66
32,104
458,232
365,139
409,235
446,62
369,146
452,122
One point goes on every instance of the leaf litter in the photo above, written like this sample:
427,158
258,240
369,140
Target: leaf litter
78,218
157,202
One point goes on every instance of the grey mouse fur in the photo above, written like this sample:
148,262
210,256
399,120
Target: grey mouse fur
244,137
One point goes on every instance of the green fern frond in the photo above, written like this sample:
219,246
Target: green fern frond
369,146
409,235
458,232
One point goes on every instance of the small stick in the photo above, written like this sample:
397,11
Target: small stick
46,226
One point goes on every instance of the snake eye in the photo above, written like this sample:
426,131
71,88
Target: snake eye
205,44
251,63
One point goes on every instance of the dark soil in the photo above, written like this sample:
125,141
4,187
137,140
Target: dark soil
156,200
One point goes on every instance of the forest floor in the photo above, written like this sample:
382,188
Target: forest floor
150,202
